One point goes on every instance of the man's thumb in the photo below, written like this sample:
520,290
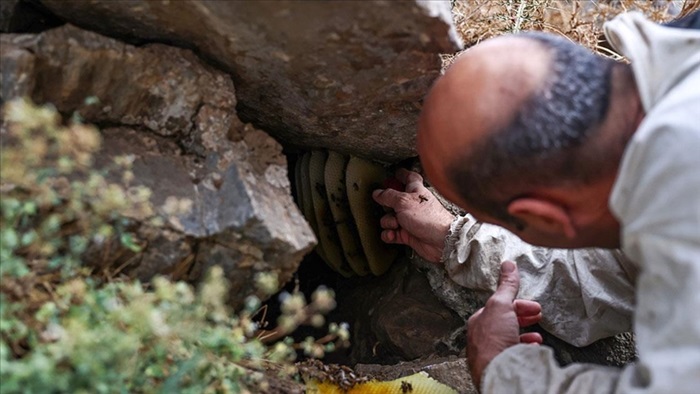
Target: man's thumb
509,282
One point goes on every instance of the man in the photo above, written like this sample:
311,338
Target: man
566,149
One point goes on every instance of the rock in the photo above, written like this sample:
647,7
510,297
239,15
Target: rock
452,371
21,16
345,75
396,317
9,11
177,117
616,351
162,89
459,299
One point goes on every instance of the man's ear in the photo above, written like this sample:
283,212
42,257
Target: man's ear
544,215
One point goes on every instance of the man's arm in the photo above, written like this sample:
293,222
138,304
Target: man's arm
586,294
499,364
527,369
473,252
667,322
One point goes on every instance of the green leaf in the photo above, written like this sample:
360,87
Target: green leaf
9,238
29,208
10,207
78,244
127,239
13,266
28,238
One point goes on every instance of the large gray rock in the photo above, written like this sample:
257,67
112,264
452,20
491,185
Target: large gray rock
177,117
349,75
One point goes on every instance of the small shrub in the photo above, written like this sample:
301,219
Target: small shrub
65,329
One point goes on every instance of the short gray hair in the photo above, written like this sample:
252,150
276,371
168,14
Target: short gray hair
542,144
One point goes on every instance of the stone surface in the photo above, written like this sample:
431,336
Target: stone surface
158,88
348,75
396,317
177,117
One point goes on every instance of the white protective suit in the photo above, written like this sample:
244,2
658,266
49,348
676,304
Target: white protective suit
590,294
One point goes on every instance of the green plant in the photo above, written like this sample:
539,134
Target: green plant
64,328
54,205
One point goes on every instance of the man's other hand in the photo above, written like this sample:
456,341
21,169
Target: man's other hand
496,326
417,218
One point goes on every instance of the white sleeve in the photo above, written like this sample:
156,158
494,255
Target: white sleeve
585,294
667,325
531,369
657,200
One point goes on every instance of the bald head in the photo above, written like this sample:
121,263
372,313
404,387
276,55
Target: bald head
511,113
479,94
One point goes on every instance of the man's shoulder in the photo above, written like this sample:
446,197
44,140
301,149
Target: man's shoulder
658,181
662,58
689,21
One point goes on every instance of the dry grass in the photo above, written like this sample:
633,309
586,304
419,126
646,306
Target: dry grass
580,21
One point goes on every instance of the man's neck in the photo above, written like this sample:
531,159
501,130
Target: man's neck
626,97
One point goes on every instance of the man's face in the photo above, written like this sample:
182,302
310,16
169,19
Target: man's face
602,230
532,234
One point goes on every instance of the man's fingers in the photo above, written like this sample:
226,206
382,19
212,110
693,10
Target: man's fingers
414,192
528,312
400,236
388,197
412,180
389,236
531,337
526,321
407,176
508,284
527,307
389,222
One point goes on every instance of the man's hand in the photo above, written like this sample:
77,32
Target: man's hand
496,326
418,219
